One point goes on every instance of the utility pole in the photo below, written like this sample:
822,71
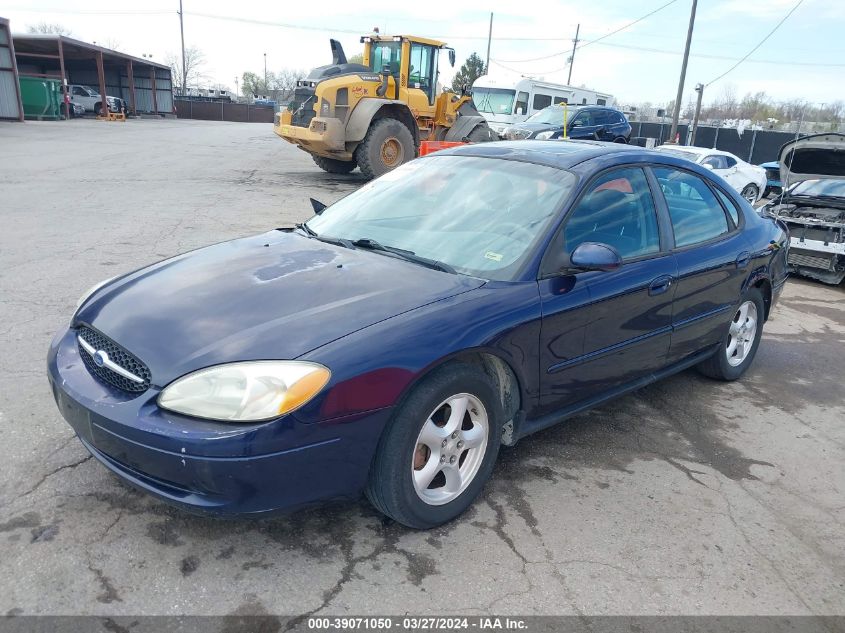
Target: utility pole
677,113
489,39
237,90
699,88
572,58
184,69
266,89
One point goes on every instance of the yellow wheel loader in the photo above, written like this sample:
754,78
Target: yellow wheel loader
374,115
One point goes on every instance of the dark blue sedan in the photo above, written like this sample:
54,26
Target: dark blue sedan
395,341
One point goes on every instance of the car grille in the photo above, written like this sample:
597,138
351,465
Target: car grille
810,261
117,355
302,107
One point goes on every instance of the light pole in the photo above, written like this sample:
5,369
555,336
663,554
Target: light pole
184,70
489,39
677,113
699,88
265,73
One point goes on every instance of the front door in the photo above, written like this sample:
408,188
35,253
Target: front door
604,329
582,125
422,79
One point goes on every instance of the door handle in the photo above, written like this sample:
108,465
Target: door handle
743,259
660,285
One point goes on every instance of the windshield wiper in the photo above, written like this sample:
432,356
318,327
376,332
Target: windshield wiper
411,256
337,241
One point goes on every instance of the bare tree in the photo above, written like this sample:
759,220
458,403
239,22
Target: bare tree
44,27
284,82
194,63
112,43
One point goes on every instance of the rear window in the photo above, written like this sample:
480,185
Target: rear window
696,214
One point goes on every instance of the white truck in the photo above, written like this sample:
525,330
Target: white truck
504,101
91,100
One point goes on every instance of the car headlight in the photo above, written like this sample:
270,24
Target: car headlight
516,134
542,136
92,290
245,392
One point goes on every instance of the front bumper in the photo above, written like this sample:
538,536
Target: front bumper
324,136
211,467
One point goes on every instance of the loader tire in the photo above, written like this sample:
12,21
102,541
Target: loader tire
334,166
482,134
388,144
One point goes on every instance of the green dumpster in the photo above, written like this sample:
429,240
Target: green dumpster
41,98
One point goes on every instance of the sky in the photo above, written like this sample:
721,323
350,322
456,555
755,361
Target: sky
804,59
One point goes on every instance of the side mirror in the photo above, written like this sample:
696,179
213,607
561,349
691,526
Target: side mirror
452,57
595,256
575,124
317,206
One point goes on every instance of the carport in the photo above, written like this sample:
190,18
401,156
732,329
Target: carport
144,85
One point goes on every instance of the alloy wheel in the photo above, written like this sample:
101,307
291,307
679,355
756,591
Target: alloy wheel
450,449
742,333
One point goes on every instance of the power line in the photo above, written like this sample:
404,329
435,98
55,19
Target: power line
620,29
768,35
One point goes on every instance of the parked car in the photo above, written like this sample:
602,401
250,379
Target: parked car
773,184
748,179
582,122
812,169
74,109
394,341
91,100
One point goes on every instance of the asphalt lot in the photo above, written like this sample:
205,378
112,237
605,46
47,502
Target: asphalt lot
687,497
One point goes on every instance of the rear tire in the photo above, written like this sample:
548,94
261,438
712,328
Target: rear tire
751,193
427,440
388,144
334,166
737,349
482,134
98,108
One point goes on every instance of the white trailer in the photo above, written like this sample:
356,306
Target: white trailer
504,101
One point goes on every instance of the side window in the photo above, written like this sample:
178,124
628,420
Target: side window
560,100
582,120
601,101
79,92
617,118
618,210
716,161
730,162
601,117
541,101
521,103
696,214
730,206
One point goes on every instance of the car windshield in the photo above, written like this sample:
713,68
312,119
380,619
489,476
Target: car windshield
827,188
552,115
681,154
493,100
480,216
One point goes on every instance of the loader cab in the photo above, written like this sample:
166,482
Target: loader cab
411,63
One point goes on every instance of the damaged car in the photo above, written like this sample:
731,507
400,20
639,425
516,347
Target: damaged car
812,205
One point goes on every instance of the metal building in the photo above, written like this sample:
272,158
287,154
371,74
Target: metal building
10,94
143,84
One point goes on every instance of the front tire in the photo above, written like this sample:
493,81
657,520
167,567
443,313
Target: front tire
334,166
388,144
751,193
739,345
482,134
439,449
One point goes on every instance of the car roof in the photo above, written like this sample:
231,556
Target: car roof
692,149
554,153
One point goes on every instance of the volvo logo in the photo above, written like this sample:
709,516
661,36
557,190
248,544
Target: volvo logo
100,358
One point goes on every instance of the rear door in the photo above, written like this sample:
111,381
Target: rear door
604,329
713,258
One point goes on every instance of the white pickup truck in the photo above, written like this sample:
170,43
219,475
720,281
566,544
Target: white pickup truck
91,100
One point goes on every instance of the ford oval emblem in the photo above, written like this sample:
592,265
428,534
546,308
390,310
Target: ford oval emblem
100,358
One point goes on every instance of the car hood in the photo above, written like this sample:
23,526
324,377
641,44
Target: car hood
537,127
272,296
816,157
